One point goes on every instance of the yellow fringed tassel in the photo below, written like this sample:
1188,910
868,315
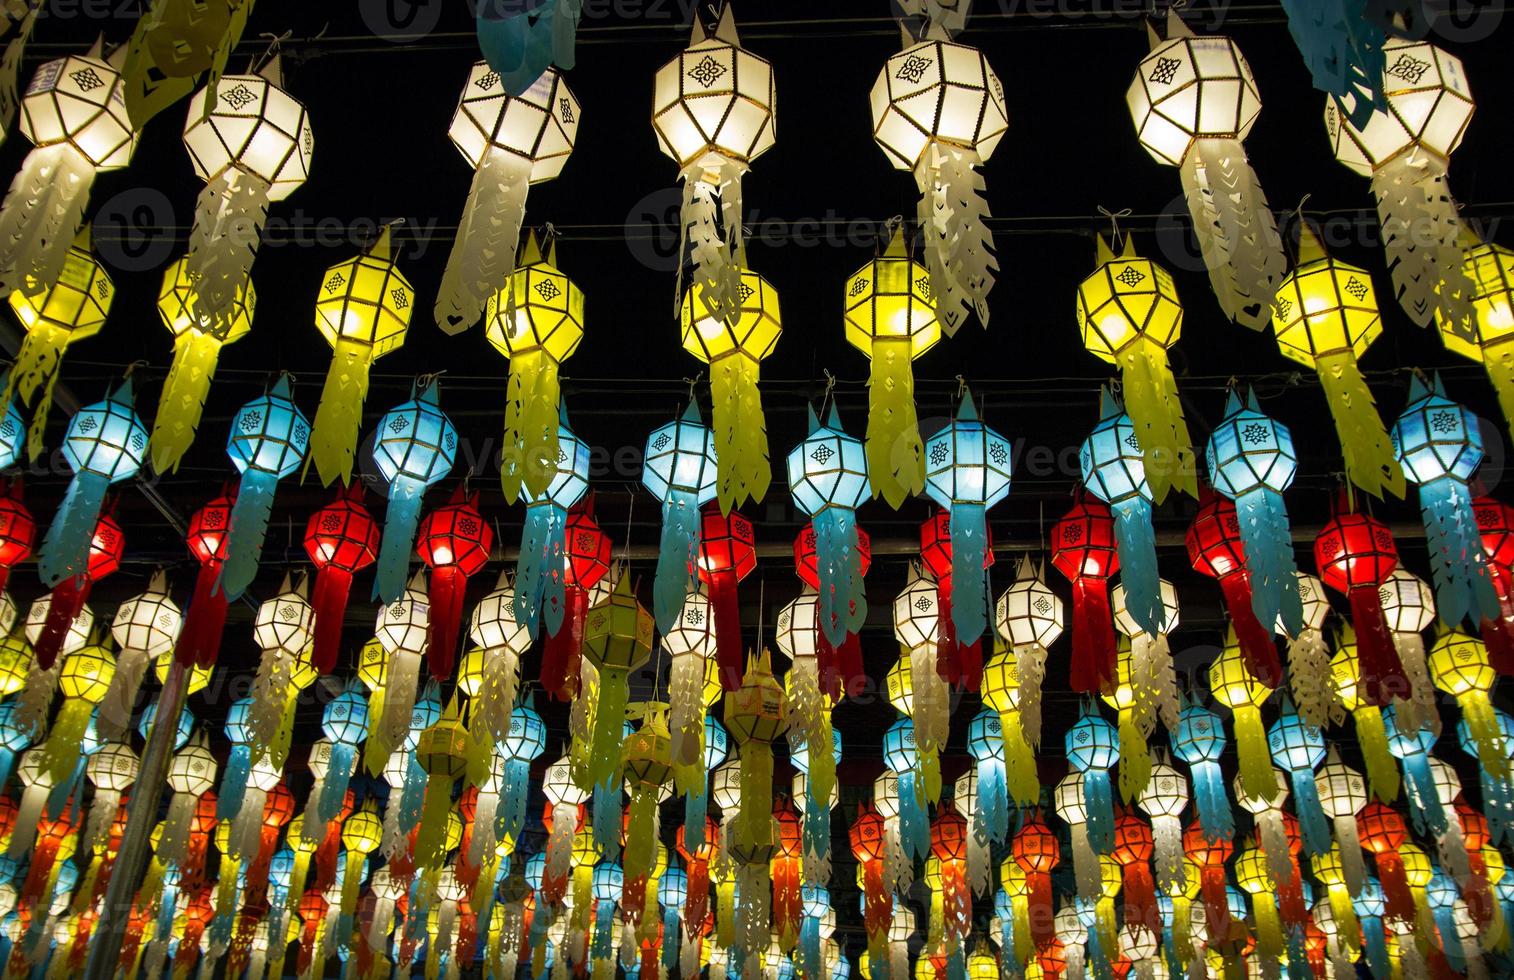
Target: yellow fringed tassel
930,773
430,839
1182,935
195,355
333,437
1372,735
62,748
1135,757
640,836
1020,773
741,438
754,822
1370,461
1103,912
1269,930
1151,401
725,899
609,714
377,748
822,775
895,452
1498,361
1482,725
37,364
532,405
1256,762
278,751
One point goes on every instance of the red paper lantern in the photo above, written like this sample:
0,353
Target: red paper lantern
868,846
1382,832
68,596
1355,555
840,668
1215,549
1477,890
727,554
341,539
697,866
1052,959
454,541
948,842
1210,856
1037,852
1495,522
785,868
18,530
957,662
1083,550
1133,848
587,562
200,637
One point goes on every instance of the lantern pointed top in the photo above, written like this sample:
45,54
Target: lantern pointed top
1417,387
1232,402
1175,25
97,49
967,411
898,245
1104,254
833,419
1252,402
121,394
426,387
1309,247
158,584
530,253
382,247
691,413
418,580
1109,404
280,387
814,421
1024,569
272,70
1437,385
725,28
85,239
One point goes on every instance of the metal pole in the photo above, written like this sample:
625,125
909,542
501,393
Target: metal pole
131,862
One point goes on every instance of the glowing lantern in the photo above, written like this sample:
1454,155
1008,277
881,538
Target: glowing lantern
83,682
648,767
1129,315
1342,795
145,628
191,774
105,443
1370,731
1409,609
1148,685
1413,751
958,661
442,751
949,847
809,711
1209,855
689,644
1164,799
111,770
1252,875
1299,749
734,342
917,781
341,539
454,541
828,480
18,528
1036,852
1440,446
727,554
282,631
1356,554
539,572
1325,317
1193,100
502,642
584,568
402,630
1083,549
967,472
915,626
938,110
1459,663
511,140
713,110
1405,147
1490,269
344,721
891,317
1233,685
413,448
64,610
363,311
679,469
617,640
1200,741
756,714
200,639
1029,618
840,667
196,350
1113,471
869,846
1093,746
267,443
1495,523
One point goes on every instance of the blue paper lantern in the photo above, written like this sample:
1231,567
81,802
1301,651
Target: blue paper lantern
268,439
414,447
1093,746
1497,788
967,471
1252,461
12,428
1300,749
1200,741
345,722
902,758
985,742
234,777
679,468
525,741
540,587
828,481
1412,749
106,442
1114,471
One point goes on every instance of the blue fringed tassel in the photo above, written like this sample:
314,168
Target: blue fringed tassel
412,794
817,824
7,763
1458,564
606,805
675,557
809,945
1311,815
65,549
696,805
1374,942
1344,52
234,781
993,799
522,45
956,967
1267,540
536,588
248,528
1169,939
604,930
1137,546
1497,804
1298,955
914,830
1098,802
669,938
57,800
400,522
338,776
1442,894
1424,802
843,603
1209,794
513,803
969,534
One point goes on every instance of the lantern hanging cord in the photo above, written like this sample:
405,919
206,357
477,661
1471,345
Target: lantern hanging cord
1115,238
693,383
890,226
830,385
275,43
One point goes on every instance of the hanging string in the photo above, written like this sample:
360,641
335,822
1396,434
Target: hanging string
830,385
1116,237
275,43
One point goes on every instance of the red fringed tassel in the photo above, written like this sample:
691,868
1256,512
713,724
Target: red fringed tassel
332,586
1395,881
1498,633
204,622
1216,906
1042,911
562,651
1094,653
448,590
1382,676
727,610
67,598
1258,649
1290,901
1139,889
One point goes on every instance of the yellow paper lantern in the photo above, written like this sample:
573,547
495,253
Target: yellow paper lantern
1233,685
1460,666
1488,337
85,678
617,640
1371,730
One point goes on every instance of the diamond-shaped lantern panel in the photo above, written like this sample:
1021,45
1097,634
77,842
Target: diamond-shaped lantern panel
1191,88
539,125
254,126
937,91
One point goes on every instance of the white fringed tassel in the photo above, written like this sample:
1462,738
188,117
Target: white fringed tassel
1077,963
1419,710
931,704
483,256
1340,959
42,214
1155,682
1353,868
399,695
1275,846
28,815
102,813
269,698
391,837
1313,684
1236,230
688,956
247,824
898,961
1030,667
114,716
1420,232
1409,958
1167,841
897,869
706,195
1085,865
560,842
686,708
229,217
1452,846
953,216
501,681
173,845
482,842
753,925
978,857
383,921
36,697
154,958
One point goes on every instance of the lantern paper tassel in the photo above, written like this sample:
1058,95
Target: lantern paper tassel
953,216
741,439
1236,230
1199,742
1462,583
1364,443
195,356
1138,568
1151,400
894,450
339,414
483,256
42,212
1421,228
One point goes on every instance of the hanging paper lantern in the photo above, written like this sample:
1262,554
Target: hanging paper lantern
713,110
344,721
105,443
809,711
967,472
501,643
678,469
341,539
536,320
891,317
949,847
454,541
756,714
1325,317
957,661
1164,799
1440,446
363,311
511,140
1490,292
648,767
1036,852
1093,746
1200,741
915,627
1005,697
267,443
196,351
1495,524
840,667
1408,610
145,627
442,751
727,554
1356,554
584,568
1083,549
617,641
912,787
1405,147
1193,100
539,584
1216,548
828,480
1233,685
938,110
1113,471
282,631
1371,734
1147,673
1342,795
1299,749
413,448
18,529
1459,663
1129,315
206,536
402,629
868,847
65,611
734,342
83,682
1309,673
1029,617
